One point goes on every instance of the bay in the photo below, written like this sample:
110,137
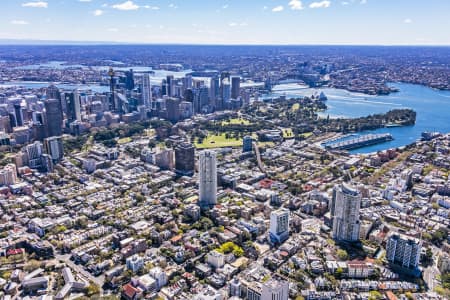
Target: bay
432,107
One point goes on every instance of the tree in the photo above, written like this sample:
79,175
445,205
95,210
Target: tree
342,254
92,289
374,295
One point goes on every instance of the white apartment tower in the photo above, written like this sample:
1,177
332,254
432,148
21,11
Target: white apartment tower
403,251
345,206
275,290
279,225
207,179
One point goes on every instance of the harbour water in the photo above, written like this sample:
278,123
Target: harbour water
432,107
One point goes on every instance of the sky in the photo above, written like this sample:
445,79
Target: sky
361,22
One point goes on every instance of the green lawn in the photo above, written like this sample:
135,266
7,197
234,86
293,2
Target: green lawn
124,140
307,134
218,141
236,121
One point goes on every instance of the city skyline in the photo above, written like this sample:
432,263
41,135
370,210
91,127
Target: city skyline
294,22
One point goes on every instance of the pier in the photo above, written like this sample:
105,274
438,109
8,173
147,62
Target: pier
361,141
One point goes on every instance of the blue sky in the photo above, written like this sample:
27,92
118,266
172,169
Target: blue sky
387,22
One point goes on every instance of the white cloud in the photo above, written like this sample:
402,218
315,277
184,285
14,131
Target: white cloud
37,4
98,12
171,5
407,21
345,3
296,5
113,29
363,1
127,5
151,7
278,8
265,8
105,5
234,24
19,22
321,4
85,0
225,6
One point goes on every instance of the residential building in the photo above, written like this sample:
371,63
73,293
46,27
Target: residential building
345,206
279,225
207,179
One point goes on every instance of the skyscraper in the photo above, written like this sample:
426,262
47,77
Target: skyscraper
18,114
170,83
247,144
173,109
226,92
146,87
279,225
185,159
52,92
201,98
224,79
235,87
403,251
112,84
54,147
344,209
53,117
207,179
129,80
73,106
214,90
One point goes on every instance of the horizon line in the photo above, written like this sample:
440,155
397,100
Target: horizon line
31,42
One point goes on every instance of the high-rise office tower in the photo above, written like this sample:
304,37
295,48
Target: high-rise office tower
129,80
112,84
185,159
235,87
173,109
187,82
170,83
201,99
73,106
247,144
18,114
224,79
279,225
345,206
146,89
54,147
53,117
226,92
403,251
189,95
52,92
207,179
214,90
